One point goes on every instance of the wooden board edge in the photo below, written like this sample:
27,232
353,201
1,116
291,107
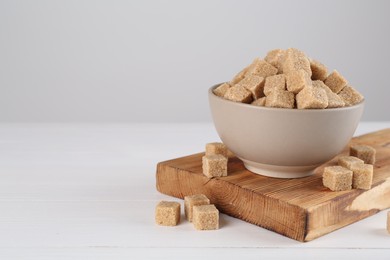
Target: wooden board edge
292,225
347,209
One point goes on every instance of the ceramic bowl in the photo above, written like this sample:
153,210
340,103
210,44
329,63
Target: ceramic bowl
283,143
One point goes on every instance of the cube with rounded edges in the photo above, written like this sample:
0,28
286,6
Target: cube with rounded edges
254,84
275,58
350,96
238,93
337,178
363,152
297,80
349,161
262,68
221,89
259,102
362,176
295,59
280,99
216,148
312,97
194,200
318,70
335,81
274,82
167,213
205,217
214,165
237,78
333,99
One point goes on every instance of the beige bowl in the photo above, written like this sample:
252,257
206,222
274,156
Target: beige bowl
283,143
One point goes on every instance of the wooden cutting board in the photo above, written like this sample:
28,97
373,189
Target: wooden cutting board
302,209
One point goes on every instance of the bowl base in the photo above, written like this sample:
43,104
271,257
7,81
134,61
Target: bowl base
275,171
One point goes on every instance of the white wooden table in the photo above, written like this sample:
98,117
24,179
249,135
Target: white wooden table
88,192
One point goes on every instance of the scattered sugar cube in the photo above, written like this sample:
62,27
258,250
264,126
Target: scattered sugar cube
312,97
363,152
216,148
259,102
318,70
262,68
388,222
274,82
335,81
238,93
362,176
254,84
167,213
350,96
205,217
194,200
349,161
239,76
221,89
295,59
296,80
275,58
280,99
214,165
337,178
333,99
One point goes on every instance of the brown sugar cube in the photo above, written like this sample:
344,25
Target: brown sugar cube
238,93
350,96
259,102
388,222
280,99
362,176
337,178
205,217
216,148
363,152
262,68
274,82
312,97
240,76
318,70
275,58
333,99
295,59
296,80
191,201
349,161
254,84
335,81
167,213
221,89
214,165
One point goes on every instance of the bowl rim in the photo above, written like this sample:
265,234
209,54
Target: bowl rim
310,110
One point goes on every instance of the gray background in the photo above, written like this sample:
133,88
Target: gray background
153,61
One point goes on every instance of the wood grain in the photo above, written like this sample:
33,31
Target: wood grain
302,209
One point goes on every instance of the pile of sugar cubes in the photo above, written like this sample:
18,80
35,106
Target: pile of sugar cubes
354,171
197,208
289,79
